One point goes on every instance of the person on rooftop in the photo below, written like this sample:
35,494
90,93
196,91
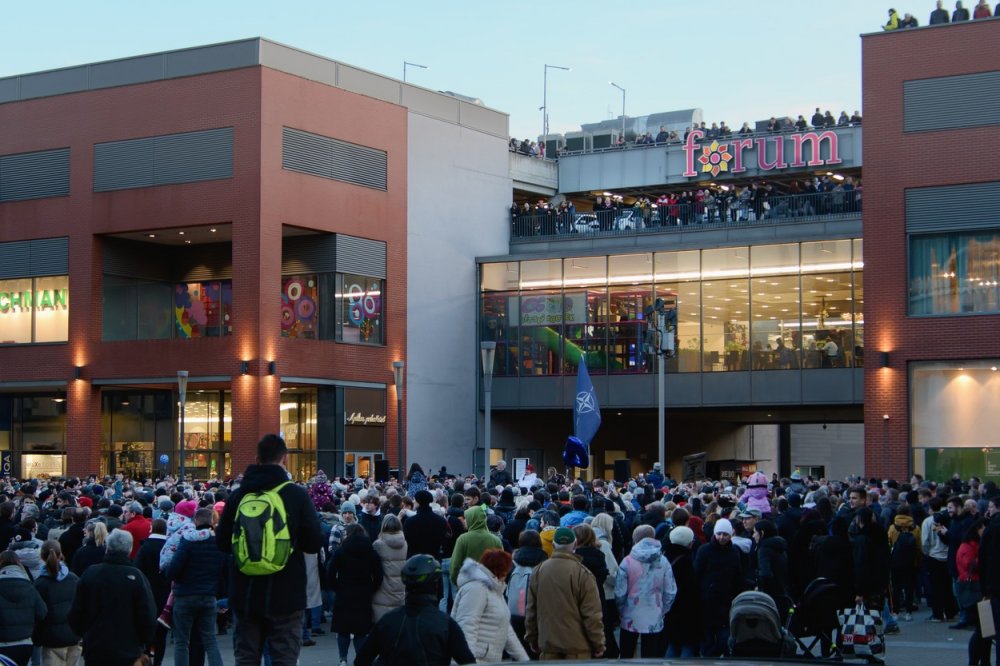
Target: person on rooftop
893,22
982,10
939,15
960,13
909,21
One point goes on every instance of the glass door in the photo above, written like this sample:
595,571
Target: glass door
360,465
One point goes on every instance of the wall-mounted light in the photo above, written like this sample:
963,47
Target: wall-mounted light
885,417
244,367
78,372
272,367
883,359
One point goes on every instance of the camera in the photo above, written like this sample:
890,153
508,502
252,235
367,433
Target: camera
942,518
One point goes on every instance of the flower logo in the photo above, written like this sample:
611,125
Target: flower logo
715,158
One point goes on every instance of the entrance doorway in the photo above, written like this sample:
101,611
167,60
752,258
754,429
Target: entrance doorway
361,465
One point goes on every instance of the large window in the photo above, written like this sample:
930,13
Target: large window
745,308
956,273
144,310
353,314
34,310
359,309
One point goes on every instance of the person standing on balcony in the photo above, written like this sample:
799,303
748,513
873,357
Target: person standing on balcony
817,119
939,15
893,22
982,10
960,13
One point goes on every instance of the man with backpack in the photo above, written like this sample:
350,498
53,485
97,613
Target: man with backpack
267,525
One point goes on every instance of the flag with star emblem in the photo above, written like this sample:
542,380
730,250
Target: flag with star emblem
586,411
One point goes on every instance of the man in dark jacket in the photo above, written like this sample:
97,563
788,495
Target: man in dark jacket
960,13
871,559
271,607
72,539
952,535
371,516
148,562
425,531
418,633
989,561
719,570
113,609
500,476
196,569
939,15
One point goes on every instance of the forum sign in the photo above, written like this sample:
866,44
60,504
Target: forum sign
761,154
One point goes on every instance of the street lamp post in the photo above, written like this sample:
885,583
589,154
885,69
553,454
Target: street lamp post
411,64
545,102
182,385
623,121
397,371
487,350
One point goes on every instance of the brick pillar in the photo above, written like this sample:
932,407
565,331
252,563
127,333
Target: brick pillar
83,428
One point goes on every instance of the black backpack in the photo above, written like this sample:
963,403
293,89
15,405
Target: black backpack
904,551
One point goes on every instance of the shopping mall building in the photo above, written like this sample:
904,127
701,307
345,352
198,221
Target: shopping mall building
285,227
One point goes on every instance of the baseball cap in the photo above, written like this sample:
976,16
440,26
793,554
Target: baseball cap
750,513
564,536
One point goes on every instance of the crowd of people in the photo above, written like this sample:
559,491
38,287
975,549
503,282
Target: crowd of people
755,201
940,15
435,568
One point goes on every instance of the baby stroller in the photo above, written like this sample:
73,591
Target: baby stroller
755,628
815,618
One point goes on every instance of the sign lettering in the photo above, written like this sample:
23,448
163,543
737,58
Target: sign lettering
24,301
357,418
711,159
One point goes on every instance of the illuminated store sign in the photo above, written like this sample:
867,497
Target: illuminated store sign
22,301
733,157
357,418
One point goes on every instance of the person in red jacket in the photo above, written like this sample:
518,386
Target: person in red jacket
137,525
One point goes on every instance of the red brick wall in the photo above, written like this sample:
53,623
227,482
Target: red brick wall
257,201
894,162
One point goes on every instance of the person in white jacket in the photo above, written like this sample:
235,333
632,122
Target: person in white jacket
391,547
644,590
481,610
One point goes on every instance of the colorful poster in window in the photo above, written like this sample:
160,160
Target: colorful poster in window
362,309
299,306
201,309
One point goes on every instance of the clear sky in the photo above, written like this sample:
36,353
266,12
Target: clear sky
736,60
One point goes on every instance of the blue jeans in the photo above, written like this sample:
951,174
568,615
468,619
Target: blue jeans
195,613
447,589
681,650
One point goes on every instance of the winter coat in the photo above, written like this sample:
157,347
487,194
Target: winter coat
425,533
772,566
392,550
140,528
563,612
418,633
593,558
612,564
29,553
148,562
683,621
482,612
114,612
71,541
21,607
177,525
283,592
720,578
870,556
989,558
547,535
801,565
198,566
89,555
356,573
473,543
415,484
372,522
455,529
54,631
645,588
756,494
905,524
314,593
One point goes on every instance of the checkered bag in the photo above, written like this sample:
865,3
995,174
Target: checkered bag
861,633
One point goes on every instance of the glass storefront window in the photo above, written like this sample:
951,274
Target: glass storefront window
585,314
540,313
678,278
726,307
298,429
858,304
359,309
300,306
774,302
34,310
955,273
827,305
201,309
143,310
499,286
630,293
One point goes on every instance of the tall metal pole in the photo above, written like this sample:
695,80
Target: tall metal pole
545,103
411,64
397,369
182,380
623,121
487,352
661,410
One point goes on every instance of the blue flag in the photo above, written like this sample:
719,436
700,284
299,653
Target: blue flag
586,411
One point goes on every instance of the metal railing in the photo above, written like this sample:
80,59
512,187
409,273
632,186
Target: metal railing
713,213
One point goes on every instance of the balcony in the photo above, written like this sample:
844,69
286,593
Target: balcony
717,214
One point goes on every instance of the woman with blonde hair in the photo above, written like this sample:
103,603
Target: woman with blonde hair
56,585
391,548
92,552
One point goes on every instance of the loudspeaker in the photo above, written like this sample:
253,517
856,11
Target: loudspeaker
623,470
381,471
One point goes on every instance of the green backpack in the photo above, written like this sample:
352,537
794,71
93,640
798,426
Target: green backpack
262,543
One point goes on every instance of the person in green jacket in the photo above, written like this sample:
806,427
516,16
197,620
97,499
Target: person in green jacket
473,543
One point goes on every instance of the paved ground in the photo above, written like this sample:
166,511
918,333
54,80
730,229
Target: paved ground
921,643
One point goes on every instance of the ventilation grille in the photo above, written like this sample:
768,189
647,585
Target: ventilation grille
330,158
361,256
34,258
953,208
951,102
34,175
164,160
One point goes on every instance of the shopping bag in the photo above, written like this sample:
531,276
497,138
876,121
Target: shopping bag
861,632
986,624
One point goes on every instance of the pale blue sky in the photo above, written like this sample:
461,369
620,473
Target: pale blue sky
737,60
